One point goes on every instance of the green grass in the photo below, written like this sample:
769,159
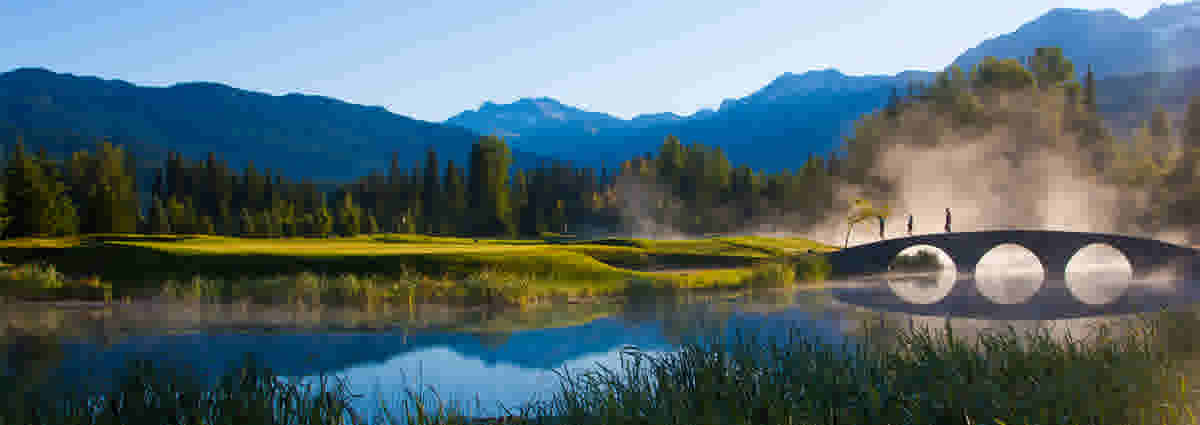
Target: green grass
924,377
920,376
509,271
45,282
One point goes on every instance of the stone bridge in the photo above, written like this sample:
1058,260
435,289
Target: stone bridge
1054,249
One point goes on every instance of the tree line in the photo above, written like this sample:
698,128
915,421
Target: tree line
686,188
698,191
1043,108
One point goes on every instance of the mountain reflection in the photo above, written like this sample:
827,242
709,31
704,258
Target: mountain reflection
509,356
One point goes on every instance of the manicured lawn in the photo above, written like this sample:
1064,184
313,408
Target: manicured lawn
142,262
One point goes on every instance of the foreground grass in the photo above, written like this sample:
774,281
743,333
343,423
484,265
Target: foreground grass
920,376
412,268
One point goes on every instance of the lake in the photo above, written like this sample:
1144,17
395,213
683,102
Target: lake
508,357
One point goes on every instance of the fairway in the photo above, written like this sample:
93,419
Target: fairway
540,267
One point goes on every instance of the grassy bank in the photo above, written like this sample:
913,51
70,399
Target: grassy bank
920,376
394,268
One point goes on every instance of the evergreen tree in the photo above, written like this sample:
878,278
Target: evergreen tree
1089,91
225,223
1050,67
323,221
1004,74
348,216
245,223
262,223
158,221
372,225
28,195
206,225
1191,124
488,196
456,198
430,192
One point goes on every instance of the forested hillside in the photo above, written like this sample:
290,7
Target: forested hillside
1012,142
295,135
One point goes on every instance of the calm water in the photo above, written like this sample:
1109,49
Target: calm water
509,357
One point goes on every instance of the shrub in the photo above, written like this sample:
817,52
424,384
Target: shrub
813,268
772,274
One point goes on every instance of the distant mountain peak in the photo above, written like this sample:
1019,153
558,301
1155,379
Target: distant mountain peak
831,79
301,136
1111,42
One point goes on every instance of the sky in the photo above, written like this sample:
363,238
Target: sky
432,59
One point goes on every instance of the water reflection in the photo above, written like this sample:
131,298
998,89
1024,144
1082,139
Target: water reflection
922,288
504,357
1099,274
966,299
1009,274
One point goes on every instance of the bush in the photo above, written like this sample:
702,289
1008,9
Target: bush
813,268
44,281
772,274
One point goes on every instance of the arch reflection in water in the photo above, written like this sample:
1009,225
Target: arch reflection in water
921,282
1098,274
1009,274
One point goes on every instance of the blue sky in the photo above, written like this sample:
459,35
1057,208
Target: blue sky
432,59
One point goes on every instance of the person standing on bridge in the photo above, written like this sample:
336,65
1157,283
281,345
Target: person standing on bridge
910,222
947,220
881,222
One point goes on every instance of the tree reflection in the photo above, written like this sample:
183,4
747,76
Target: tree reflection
29,358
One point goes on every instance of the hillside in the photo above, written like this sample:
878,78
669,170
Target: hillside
773,128
1165,39
296,135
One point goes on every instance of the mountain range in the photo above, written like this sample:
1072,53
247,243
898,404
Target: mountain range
796,114
1140,62
296,135
772,128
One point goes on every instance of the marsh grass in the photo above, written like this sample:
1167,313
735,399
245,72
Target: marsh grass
145,394
812,267
924,377
486,287
44,281
918,376
772,274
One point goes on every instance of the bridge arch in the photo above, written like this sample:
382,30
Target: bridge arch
1009,273
1098,273
914,252
919,282
1054,249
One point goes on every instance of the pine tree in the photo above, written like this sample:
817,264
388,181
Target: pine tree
225,223
519,201
430,199
206,225
262,223
27,195
158,221
1160,131
372,225
1089,91
348,216
456,198
488,197
323,220
1191,124
246,223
